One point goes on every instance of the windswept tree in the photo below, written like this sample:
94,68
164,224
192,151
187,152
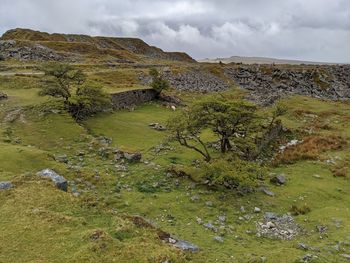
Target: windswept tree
159,83
236,123
60,79
80,99
186,129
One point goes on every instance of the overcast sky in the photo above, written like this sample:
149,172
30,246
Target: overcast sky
316,30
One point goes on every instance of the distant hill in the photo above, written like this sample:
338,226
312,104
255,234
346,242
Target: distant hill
261,60
128,49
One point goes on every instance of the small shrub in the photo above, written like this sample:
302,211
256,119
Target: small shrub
231,174
342,169
310,149
300,210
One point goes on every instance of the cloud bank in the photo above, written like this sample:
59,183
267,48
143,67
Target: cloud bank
316,30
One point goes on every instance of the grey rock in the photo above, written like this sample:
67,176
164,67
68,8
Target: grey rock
219,239
132,157
183,245
59,181
195,198
3,96
303,246
63,158
278,180
257,210
5,185
157,126
278,227
210,226
321,228
209,203
266,191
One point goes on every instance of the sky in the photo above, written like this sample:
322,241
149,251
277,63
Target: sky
315,30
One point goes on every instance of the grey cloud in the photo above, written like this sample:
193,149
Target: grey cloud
295,29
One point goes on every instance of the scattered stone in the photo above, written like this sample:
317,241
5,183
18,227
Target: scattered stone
210,226
278,227
278,180
321,228
209,203
219,239
266,191
59,181
132,157
257,210
157,126
183,245
303,246
195,198
63,158
3,96
317,176
222,219
309,257
5,185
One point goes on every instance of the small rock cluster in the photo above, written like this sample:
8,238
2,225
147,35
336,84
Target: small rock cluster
131,157
278,227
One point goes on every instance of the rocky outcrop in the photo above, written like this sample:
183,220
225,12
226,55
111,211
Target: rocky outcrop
29,51
59,181
198,80
267,84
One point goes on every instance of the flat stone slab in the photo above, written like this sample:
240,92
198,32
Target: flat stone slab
183,245
59,181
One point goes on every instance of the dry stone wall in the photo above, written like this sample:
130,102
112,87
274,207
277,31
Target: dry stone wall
131,98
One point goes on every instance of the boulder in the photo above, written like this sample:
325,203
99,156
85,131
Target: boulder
157,126
183,245
59,181
63,158
278,180
133,157
3,96
5,185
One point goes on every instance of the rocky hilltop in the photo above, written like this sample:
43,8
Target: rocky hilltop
26,44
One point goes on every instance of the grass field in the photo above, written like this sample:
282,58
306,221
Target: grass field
42,224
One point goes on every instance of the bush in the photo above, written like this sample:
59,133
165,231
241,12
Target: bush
231,174
158,82
87,101
300,210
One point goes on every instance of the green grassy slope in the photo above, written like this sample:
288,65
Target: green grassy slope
42,224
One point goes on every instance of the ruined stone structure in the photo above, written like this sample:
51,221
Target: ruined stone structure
130,98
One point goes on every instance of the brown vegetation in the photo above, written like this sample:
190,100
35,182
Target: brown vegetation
310,149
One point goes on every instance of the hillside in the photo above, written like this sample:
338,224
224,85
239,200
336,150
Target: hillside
117,187
68,45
